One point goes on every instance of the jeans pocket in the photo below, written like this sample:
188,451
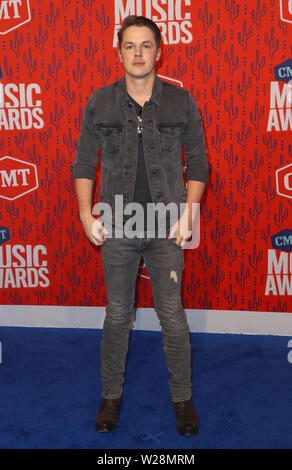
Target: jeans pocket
180,255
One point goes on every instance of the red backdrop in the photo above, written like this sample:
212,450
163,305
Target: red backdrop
235,59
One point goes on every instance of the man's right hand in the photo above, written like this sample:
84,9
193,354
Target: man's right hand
94,230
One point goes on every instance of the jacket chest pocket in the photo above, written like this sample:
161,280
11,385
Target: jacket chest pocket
110,136
169,136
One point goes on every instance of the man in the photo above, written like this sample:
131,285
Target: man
140,122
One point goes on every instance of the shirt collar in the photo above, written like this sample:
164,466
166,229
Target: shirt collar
156,90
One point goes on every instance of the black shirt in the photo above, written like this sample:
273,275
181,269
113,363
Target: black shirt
142,193
142,190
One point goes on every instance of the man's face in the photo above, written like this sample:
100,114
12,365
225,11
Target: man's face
139,51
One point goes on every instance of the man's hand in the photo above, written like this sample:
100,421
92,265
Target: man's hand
184,226
94,230
183,229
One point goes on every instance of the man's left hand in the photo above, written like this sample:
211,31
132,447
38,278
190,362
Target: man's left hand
183,229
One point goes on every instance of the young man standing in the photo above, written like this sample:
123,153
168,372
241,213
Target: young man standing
141,122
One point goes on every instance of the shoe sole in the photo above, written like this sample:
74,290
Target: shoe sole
105,427
188,431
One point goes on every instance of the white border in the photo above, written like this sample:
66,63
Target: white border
173,80
281,12
277,180
203,321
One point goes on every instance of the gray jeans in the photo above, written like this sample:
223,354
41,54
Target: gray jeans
164,262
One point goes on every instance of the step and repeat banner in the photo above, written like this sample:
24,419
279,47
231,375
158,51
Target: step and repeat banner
235,58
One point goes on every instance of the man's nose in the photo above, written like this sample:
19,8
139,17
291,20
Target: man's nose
138,51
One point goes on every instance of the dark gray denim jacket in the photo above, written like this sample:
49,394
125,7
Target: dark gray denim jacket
170,119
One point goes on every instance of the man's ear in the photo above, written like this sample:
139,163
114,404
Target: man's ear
120,55
158,54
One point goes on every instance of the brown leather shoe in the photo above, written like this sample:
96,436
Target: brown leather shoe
107,417
187,421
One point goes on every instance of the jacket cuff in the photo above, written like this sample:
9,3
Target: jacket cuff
197,174
83,171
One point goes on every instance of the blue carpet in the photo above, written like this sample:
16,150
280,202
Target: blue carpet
50,392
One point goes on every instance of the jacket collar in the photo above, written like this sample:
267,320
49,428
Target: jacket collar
156,90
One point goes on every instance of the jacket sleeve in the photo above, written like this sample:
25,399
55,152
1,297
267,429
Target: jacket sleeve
86,158
194,143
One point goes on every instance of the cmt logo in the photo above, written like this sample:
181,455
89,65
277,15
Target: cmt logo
4,235
284,181
283,71
17,178
13,14
286,10
282,240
